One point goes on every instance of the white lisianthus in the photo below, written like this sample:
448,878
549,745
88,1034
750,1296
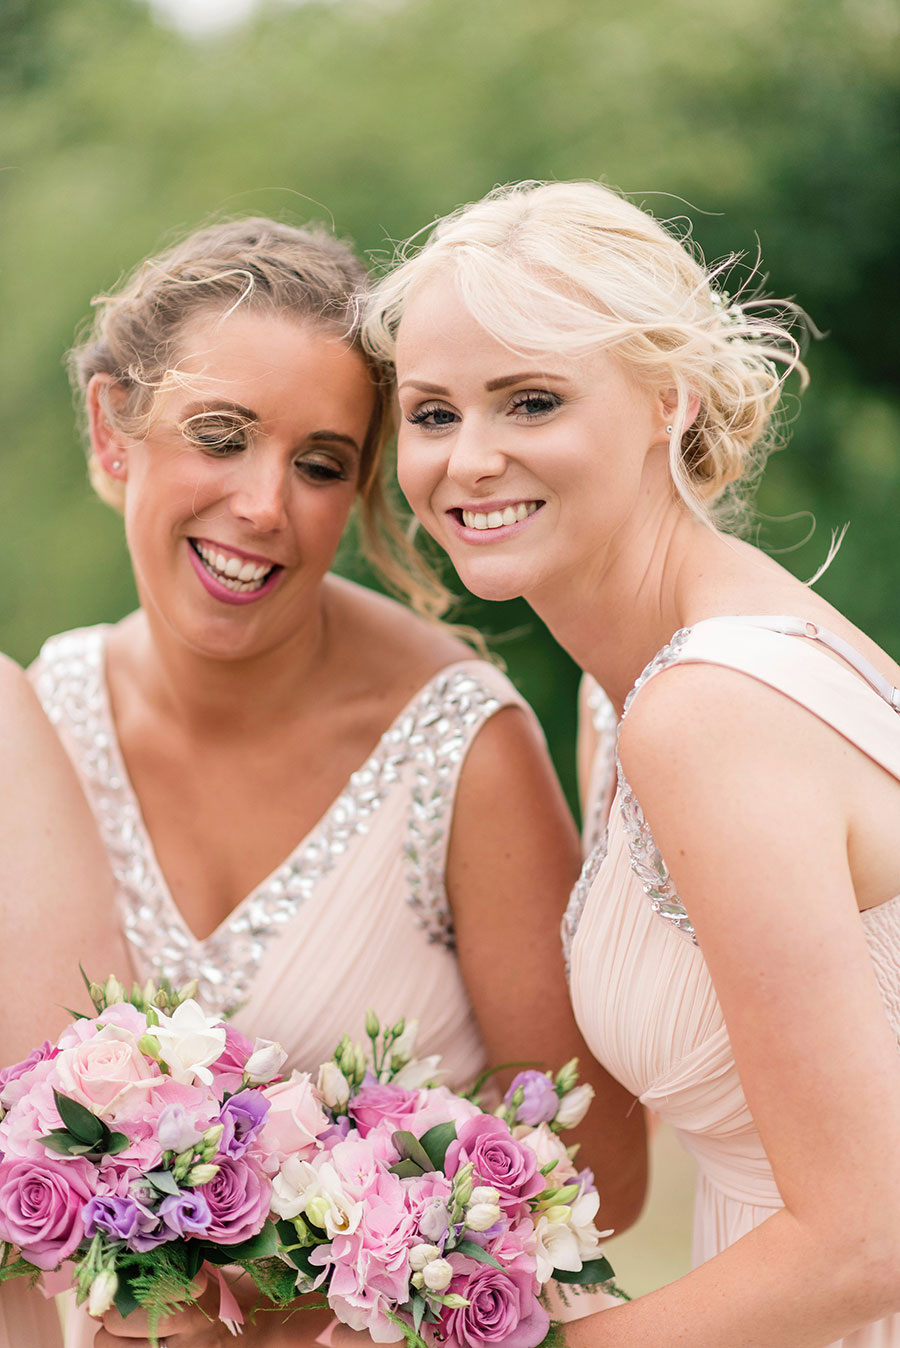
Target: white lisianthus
332,1085
102,1293
189,1041
418,1073
265,1062
437,1274
420,1255
484,1208
573,1106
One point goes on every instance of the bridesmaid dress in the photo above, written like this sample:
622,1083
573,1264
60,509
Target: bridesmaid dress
641,990
356,917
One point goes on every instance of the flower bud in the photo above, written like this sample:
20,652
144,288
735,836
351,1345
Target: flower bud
405,1044
102,1293
265,1062
201,1174
567,1076
359,1062
182,1164
96,995
558,1214
437,1274
417,1281
482,1216
455,1301
435,1220
148,992
209,1143
149,1046
420,1255
463,1185
317,1209
188,991
373,1025
332,1085
484,1193
573,1106
113,991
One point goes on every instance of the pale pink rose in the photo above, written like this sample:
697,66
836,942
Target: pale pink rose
123,1014
102,1071
294,1120
440,1105
548,1146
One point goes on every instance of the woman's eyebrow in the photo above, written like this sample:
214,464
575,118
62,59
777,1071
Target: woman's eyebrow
330,437
217,405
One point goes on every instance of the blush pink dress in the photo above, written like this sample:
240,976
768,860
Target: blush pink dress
356,917
641,990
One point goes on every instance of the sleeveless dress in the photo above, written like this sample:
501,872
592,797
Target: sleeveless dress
641,991
356,917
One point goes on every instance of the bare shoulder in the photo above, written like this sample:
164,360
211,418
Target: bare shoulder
398,645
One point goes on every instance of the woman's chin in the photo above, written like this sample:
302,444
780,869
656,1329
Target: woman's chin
494,586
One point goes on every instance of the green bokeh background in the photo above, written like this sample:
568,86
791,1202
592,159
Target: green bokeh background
766,125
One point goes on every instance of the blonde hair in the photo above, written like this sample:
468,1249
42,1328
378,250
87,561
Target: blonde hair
572,267
305,275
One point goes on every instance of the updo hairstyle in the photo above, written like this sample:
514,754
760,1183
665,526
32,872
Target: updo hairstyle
304,275
574,267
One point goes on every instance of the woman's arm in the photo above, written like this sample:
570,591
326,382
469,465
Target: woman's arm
749,804
513,859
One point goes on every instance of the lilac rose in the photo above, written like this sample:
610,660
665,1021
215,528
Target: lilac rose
499,1160
41,1205
238,1199
242,1115
502,1309
540,1101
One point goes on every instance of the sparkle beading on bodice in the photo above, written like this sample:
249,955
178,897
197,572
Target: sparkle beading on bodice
428,739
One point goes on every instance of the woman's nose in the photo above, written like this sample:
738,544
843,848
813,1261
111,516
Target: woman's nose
474,456
259,494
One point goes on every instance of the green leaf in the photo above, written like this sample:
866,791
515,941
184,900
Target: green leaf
593,1271
436,1141
418,1310
410,1148
59,1141
81,1123
413,1339
164,1182
474,1251
407,1169
260,1246
125,1300
117,1142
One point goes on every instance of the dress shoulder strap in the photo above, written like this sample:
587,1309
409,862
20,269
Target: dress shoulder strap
785,653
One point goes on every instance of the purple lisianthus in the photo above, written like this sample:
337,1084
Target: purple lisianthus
502,1309
238,1199
125,1219
499,1160
186,1214
41,1206
243,1115
540,1101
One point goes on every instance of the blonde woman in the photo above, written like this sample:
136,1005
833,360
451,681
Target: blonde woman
579,404
313,800
56,909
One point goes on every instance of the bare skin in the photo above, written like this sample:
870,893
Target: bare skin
215,702
805,824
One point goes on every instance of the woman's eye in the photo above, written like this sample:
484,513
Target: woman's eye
215,435
535,404
432,416
322,470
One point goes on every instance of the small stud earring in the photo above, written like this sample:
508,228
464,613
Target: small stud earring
669,430
116,465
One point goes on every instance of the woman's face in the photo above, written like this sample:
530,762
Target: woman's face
236,501
529,470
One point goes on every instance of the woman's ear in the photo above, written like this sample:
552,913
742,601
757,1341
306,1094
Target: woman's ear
108,443
668,403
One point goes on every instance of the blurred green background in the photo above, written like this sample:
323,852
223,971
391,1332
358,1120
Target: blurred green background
766,125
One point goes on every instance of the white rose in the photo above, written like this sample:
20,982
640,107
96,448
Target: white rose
265,1062
189,1041
332,1085
573,1106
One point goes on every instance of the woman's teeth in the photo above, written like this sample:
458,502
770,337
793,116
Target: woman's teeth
235,574
495,519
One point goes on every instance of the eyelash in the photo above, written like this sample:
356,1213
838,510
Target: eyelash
549,403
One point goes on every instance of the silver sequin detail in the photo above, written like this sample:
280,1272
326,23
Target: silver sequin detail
432,736
646,859
578,898
605,723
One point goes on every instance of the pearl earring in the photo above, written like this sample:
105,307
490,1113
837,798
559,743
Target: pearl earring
669,430
116,465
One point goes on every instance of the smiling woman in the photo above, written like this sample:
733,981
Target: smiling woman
314,800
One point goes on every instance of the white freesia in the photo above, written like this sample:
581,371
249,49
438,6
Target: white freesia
556,1246
332,1085
584,1209
317,1192
265,1062
573,1106
418,1073
189,1041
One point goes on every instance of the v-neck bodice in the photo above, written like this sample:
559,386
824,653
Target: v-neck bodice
398,803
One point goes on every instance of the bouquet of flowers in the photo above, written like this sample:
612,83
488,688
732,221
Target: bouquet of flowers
422,1217
135,1151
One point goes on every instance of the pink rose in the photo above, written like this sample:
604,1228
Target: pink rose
228,1069
387,1104
102,1072
41,1206
499,1160
502,1308
238,1198
440,1105
294,1121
